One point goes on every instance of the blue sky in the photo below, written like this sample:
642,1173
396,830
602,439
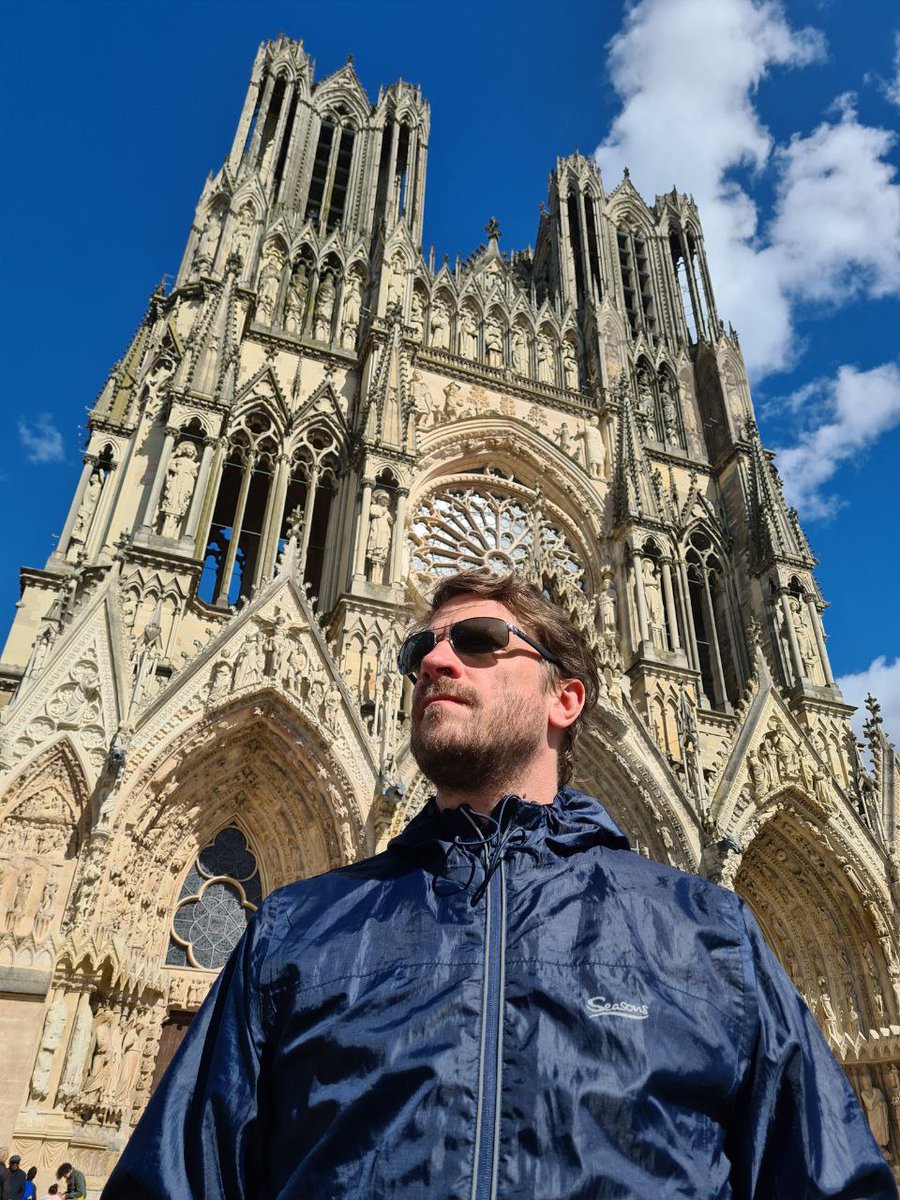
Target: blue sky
779,119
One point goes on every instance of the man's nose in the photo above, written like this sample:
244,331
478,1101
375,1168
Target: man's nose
441,659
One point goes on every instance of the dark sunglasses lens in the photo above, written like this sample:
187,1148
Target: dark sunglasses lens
414,650
479,635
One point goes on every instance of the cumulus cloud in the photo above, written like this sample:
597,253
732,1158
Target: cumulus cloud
882,679
843,417
687,72
892,87
42,440
837,218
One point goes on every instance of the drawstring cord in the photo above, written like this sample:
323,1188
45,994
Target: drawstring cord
491,846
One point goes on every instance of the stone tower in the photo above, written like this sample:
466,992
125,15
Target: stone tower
312,425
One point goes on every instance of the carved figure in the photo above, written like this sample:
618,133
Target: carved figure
105,1057
295,301
646,406
422,403
562,438
825,1011
248,667
570,366
493,342
131,1064
209,239
324,311
352,311
396,284
546,368
468,333
243,231
593,448
269,280
378,541
417,315
48,900
88,507
519,350
54,1024
440,325
181,475
653,597
20,899
876,1110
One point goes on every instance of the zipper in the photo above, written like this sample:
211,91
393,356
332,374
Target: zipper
490,1066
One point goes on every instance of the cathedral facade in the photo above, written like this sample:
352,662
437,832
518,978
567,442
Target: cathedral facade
308,429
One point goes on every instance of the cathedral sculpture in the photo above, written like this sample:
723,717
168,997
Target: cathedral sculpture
309,427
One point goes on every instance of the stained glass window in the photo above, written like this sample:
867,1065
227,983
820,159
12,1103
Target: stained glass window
217,897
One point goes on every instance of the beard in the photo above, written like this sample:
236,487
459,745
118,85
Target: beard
481,751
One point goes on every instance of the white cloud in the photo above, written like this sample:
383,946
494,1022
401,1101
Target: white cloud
42,441
892,87
837,218
882,679
850,412
686,72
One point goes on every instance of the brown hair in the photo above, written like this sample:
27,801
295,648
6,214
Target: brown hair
545,621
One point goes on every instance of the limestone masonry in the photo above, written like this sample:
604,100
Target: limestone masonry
314,424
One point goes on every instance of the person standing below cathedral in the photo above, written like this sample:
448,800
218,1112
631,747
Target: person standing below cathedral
507,1002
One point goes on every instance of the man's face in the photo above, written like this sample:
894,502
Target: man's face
477,720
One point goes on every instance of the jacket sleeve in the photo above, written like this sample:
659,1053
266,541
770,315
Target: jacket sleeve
200,1134
798,1129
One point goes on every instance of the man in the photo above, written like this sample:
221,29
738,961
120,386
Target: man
4,1177
507,1002
75,1187
17,1178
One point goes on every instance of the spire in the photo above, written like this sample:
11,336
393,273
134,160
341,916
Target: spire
637,489
775,533
389,404
115,400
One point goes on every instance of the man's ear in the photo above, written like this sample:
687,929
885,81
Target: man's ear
566,703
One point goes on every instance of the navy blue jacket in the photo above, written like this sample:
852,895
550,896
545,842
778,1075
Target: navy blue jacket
528,1011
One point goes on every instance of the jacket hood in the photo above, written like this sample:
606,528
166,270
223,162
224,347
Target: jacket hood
573,822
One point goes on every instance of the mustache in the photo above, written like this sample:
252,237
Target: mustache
443,688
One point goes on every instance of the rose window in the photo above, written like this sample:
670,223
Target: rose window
456,529
218,896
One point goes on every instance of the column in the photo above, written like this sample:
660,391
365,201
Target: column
90,461
279,129
692,284
102,519
399,537
208,503
308,509
159,479
261,114
636,565
815,619
669,598
713,633
362,530
278,486
585,249
225,584
199,490
687,614
796,662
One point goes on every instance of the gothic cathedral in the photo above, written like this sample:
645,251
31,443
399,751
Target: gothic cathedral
309,428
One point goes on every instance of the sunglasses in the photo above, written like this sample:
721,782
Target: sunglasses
474,635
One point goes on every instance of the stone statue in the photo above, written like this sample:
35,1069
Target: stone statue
295,300
324,310
570,366
825,1011
421,397
20,899
88,506
351,312
417,315
646,405
653,596
209,239
48,900
269,280
805,644
519,350
378,542
493,342
876,1110
131,1064
248,667
563,439
54,1024
546,367
440,325
103,1071
181,475
670,411
396,283
468,333
593,448
243,231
